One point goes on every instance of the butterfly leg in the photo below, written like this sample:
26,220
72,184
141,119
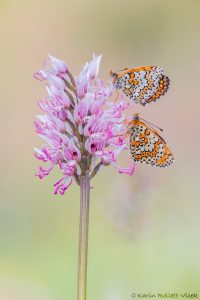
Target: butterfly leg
117,97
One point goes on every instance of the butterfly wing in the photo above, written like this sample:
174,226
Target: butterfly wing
144,84
167,159
147,146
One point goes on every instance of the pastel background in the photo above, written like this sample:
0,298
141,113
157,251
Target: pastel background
144,230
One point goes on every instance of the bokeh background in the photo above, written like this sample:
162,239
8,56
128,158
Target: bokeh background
144,230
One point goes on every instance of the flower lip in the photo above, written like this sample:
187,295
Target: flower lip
129,171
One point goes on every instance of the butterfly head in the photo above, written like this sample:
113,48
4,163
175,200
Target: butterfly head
113,75
115,80
132,123
135,117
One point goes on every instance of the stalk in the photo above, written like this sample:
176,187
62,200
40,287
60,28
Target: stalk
83,231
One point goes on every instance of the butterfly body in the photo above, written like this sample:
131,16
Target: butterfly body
142,85
146,145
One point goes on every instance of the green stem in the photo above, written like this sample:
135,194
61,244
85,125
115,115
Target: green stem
83,231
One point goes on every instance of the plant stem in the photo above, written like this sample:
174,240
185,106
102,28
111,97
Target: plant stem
83,231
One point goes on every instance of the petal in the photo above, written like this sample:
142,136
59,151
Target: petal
56,82
40,75
129,171
61,188
93,67
59,65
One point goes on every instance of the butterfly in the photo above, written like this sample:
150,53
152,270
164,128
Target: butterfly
143,85
146,145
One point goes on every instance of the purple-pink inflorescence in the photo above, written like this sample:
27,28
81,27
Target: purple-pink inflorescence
79,121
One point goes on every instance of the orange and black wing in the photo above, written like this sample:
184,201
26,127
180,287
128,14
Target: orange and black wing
143,85
147,146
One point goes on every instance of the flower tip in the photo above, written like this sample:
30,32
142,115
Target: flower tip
93,66
59,65
40,75
96,56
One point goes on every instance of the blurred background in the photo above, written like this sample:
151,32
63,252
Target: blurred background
144,230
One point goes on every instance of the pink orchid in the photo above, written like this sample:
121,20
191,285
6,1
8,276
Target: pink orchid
80,122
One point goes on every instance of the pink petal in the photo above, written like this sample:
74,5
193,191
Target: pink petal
129,171
59,65
40,75
61,188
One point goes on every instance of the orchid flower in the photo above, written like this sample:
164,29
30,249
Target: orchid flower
79,121
83,130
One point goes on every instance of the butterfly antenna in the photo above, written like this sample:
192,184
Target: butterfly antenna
152,124
122,70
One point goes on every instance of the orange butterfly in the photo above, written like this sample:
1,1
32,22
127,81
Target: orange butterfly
143,85
146,145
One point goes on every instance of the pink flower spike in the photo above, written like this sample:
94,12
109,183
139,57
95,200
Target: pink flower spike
80,124
129,171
